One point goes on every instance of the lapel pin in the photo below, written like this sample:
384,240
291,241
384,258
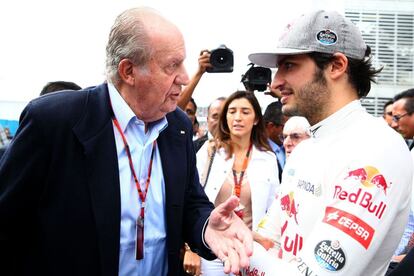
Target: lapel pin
182,131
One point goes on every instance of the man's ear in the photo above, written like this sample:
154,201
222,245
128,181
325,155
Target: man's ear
126,71
338,66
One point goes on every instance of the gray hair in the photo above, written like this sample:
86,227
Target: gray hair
128,39
297,122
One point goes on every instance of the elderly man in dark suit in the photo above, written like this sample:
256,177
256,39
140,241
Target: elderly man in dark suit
103,181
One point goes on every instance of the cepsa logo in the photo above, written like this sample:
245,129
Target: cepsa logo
369,177
351,225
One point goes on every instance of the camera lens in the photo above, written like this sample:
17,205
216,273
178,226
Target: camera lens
260,75
257,78
221,60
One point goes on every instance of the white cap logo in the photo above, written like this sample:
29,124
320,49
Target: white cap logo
326,37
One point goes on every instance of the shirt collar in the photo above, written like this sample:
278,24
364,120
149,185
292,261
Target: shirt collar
275,147
336,120
124,114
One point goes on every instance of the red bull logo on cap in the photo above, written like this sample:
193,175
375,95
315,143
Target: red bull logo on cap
369,177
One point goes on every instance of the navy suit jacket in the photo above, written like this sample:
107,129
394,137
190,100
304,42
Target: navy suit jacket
59,191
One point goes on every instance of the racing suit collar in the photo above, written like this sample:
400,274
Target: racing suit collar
332,122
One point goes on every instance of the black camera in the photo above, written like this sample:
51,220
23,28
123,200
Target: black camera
221,59
256,78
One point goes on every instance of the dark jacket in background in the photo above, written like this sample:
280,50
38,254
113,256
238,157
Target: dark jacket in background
198,143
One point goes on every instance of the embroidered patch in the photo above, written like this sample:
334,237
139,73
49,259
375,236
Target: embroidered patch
330,255
326,37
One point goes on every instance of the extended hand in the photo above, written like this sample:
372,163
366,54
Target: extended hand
228,236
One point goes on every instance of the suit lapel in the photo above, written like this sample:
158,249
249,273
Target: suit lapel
172,146
95,133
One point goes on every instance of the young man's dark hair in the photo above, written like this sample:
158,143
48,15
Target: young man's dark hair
361,72
58,86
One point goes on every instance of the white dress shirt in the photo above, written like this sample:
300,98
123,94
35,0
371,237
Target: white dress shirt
140,143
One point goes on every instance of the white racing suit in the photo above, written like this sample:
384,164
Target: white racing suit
343,202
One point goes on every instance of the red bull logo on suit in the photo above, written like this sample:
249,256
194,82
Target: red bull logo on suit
369,177
361,198
366,196
287,203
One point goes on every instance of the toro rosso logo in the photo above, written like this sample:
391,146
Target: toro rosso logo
369,177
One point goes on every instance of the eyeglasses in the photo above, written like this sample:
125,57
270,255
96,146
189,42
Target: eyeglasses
396,118
293,136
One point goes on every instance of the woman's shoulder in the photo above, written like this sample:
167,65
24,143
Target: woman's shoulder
263,153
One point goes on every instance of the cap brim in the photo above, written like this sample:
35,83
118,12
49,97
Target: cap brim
270,60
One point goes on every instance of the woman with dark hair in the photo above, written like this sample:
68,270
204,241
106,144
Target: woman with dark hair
239,162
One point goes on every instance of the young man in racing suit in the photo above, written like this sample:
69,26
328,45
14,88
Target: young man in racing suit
345,193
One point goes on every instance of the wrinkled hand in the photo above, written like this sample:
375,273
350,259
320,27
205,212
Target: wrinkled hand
192,263
228,237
